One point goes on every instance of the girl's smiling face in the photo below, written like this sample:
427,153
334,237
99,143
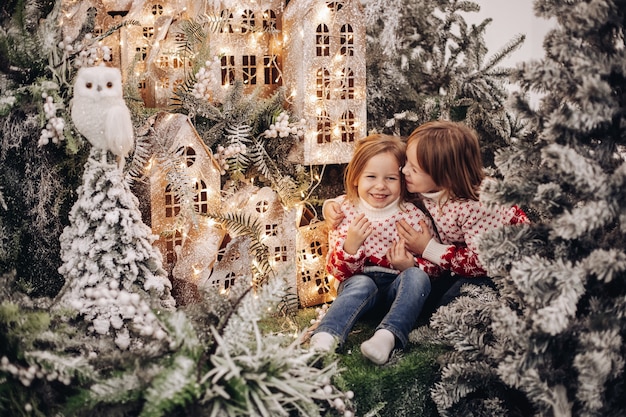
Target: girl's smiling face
417,181
380,182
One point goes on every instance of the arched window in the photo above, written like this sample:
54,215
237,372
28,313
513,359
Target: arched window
322,41
247,21
347,40
171,241
262,206
335,6
229,280
157,9
347,126
347,85
269,21
188,153
201,199
172,204
322,84
323,128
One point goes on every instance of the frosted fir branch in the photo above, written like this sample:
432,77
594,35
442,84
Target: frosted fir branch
552,290
458,381
599,362
585,175
583,220
254,306
174,386
606,264
270,379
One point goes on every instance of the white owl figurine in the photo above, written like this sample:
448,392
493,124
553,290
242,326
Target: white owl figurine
100,113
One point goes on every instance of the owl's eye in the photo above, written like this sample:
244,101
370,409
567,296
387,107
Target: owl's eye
109,84
89,85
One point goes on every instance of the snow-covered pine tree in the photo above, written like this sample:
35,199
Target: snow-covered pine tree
551,342
425,62
114,276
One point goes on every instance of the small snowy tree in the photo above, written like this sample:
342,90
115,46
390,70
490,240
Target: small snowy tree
551,342
114,276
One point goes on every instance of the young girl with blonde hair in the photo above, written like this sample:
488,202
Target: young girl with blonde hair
366,256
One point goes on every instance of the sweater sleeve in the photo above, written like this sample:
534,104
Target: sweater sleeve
463,259
458,259
340,263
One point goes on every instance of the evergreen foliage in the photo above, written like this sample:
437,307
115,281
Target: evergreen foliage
551,341
424,62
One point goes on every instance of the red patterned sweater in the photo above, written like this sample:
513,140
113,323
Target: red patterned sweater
460,222
371,256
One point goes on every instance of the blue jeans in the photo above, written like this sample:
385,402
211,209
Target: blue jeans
403,295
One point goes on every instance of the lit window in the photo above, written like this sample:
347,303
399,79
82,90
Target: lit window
201,199
347,85
271,230
172,204
270,70
142,53
228,69
157,10
269,21
347,40
247,21
322,41
227,22
323,84
280,253
347,127
249,69
262,206
323,128
171,241
148,32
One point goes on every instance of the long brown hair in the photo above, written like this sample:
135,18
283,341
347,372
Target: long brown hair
366,149
450,153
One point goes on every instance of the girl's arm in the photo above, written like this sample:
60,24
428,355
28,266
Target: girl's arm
458,259
346,254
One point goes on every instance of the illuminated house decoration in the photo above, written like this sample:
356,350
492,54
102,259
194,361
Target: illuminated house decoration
188,248
314,48
290,240
324,60
314,285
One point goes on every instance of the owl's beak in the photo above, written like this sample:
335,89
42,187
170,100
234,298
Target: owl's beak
99,88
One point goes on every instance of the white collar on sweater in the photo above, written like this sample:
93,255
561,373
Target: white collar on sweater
435,195
378,214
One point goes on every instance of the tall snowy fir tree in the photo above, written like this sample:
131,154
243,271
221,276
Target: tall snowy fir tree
551,341
114,276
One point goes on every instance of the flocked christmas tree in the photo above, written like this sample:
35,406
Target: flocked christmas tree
550,342
114,276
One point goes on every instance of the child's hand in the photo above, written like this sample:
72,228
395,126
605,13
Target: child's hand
332,214
416,240
358,231
399,257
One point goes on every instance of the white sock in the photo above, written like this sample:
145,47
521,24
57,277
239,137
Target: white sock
379,347
322,342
